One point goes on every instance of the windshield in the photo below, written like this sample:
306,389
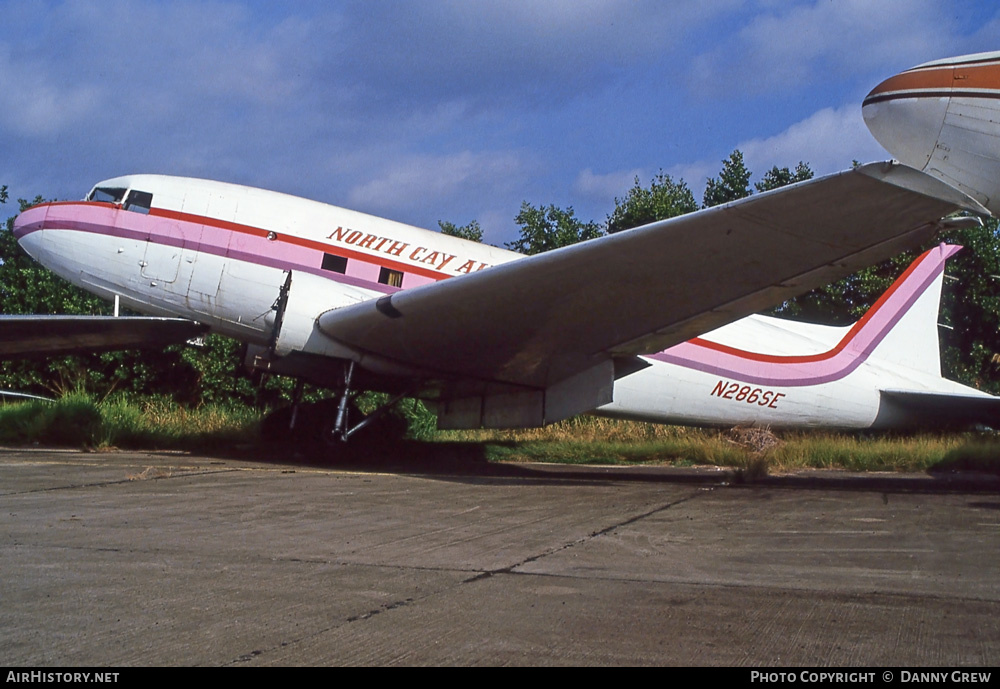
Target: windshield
138,201
106,194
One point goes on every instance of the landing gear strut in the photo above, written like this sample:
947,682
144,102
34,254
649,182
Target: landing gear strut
341,429
332,421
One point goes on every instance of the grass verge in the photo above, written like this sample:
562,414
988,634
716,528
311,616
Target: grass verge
76,420
595,440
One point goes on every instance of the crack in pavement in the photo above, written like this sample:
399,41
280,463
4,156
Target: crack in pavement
115,482
397,604
510,569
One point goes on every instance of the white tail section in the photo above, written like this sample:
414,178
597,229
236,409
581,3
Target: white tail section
901,327
912,340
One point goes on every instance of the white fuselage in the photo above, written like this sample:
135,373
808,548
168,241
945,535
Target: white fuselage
680,394
220,253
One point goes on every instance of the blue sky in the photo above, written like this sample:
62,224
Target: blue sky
452,110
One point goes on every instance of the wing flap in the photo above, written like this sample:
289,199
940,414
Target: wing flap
23,337
537,321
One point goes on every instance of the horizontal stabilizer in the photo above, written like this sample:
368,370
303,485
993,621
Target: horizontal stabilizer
24,337
937,409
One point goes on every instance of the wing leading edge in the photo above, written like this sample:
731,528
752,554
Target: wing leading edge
23,337
542,320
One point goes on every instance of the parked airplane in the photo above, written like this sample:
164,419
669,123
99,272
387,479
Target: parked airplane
653,323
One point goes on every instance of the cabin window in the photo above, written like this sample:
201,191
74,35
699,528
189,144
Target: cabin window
337,264
138,202
106,194
393,278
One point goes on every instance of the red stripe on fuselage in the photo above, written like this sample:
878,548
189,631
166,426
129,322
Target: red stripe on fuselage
298,241
972,79
239,228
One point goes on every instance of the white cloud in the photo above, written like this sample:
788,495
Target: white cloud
828,140
605,188
417,179
156,62
792,45
542,53
34,104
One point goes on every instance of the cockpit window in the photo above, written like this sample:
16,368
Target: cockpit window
107,194
139,201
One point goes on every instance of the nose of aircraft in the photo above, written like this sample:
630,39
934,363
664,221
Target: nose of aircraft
905,114
24,224
19,225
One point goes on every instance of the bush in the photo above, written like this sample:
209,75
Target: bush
73,420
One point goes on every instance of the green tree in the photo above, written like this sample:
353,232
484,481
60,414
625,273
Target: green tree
732,183
970,344
780,177
665,198
847,300
544,229
472,231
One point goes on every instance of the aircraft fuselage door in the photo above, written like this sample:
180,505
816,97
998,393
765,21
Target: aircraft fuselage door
161,260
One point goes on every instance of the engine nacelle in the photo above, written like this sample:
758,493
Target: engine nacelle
294,331
302,299
943,118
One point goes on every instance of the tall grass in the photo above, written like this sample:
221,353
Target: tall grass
592,440
72,420
163,424
77,420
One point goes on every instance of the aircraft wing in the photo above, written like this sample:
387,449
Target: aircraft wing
547,318
23,337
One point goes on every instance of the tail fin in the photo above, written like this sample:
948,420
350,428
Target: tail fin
907,314
901,327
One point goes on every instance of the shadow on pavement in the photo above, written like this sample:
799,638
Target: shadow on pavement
468,461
